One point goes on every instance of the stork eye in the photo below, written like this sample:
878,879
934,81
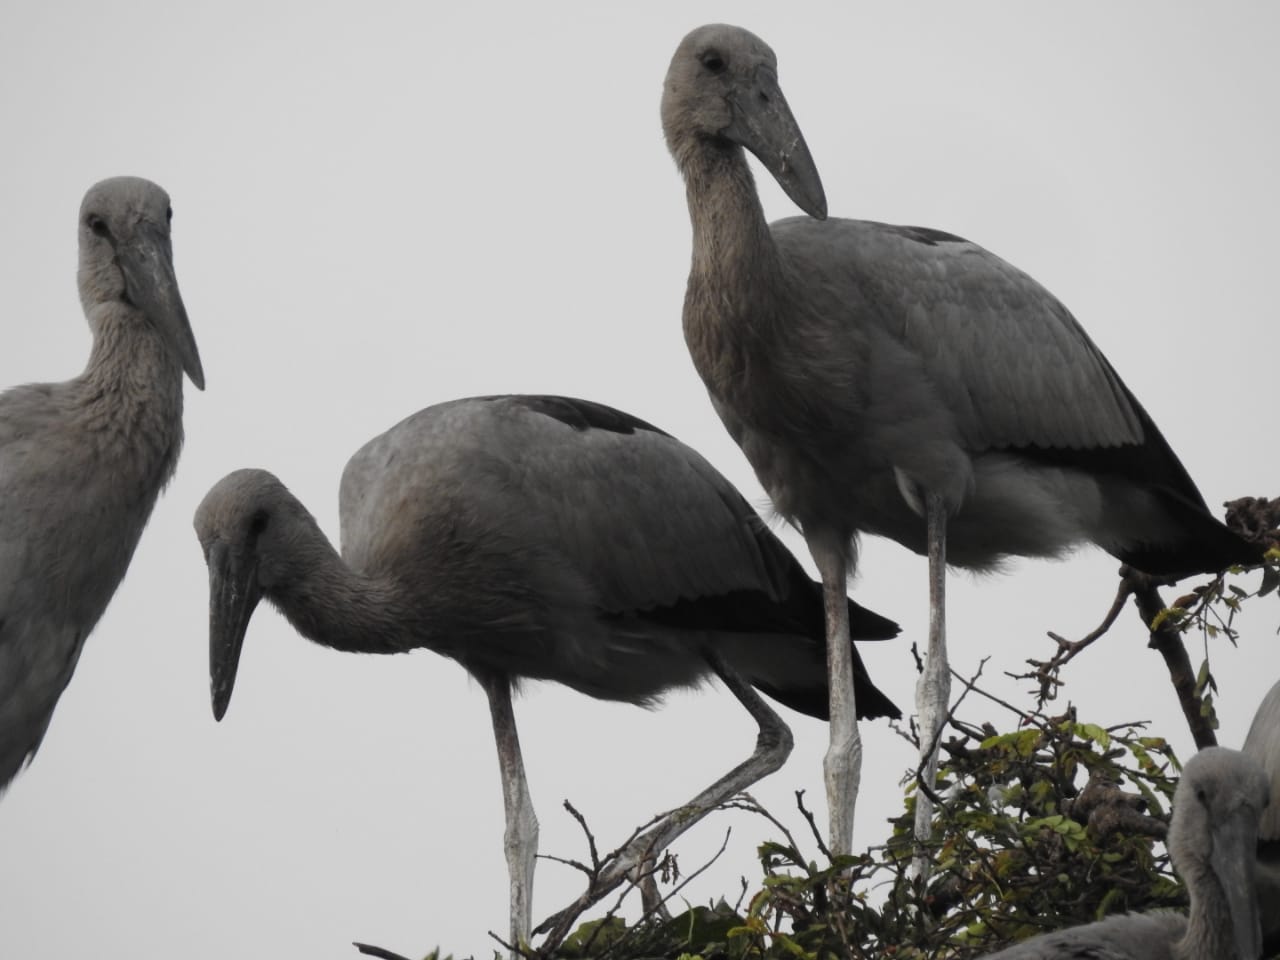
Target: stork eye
258,523
712,61
97,225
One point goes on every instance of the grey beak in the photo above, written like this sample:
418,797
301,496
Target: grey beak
1233,863
763,124
146,259
233,595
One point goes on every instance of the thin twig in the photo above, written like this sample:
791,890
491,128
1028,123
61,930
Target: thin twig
745,801
813,825
591,840
724,845
1046,672
1022,715
599,881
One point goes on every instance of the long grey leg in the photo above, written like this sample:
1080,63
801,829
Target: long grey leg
933,689
773,746
842,765
520,840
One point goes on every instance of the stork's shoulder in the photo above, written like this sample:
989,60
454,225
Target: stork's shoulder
477,437
1006,356
931,265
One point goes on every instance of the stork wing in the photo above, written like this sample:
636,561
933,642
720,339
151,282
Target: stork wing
37,655
1012,365
644,519
1008,358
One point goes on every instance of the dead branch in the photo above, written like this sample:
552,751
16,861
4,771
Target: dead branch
813,825
1045,672
1166,640
648,914
603,877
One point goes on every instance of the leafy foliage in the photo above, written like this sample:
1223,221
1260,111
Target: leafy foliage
1054,823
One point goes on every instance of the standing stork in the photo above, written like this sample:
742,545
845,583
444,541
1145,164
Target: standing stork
82,462
533,537
903,382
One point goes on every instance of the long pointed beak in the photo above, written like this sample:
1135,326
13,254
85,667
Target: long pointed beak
233,595
147,262
1233,863
764,124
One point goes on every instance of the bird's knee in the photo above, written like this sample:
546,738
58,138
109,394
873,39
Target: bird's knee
776,742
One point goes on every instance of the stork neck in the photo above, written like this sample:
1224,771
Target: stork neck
731,238
132,379
1209,928
128,404
333,605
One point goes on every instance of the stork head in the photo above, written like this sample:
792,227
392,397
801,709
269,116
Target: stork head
1214,832
244,525
722,89
126,256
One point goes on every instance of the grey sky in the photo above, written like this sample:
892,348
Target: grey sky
382,206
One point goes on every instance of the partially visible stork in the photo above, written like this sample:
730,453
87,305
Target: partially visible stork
534,537
1211,839
82,462
1262,745
901,381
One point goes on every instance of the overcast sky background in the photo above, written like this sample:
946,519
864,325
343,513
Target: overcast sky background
383,206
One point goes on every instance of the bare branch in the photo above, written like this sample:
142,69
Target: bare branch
1166,640
813,825
1046,672
591,840
602,878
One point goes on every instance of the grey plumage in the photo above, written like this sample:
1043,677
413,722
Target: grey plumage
1211,838
856,362
531,537
82,462
1262,745
875,374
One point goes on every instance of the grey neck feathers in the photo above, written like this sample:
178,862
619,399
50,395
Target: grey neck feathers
331,604
738,290
132,388
1209,930
731,238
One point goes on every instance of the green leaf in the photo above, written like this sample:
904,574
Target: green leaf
593,936
1094,733
1270,580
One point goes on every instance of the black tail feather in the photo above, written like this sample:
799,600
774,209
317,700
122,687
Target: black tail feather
1204,545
